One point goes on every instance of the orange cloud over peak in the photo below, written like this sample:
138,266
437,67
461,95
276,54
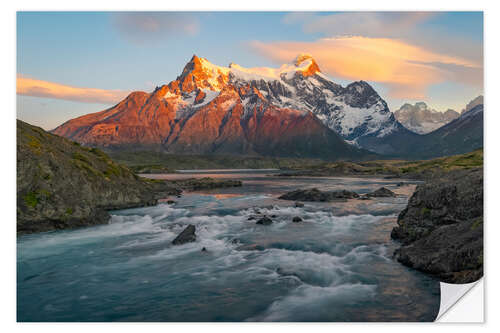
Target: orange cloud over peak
406,69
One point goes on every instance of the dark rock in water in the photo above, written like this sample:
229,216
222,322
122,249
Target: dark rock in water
265,221
441,229
316,195
170,202
274,216
206,183
187,235
381,193
235,241
204,249
297,219
252,217
299,204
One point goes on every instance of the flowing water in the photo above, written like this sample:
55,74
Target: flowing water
336,265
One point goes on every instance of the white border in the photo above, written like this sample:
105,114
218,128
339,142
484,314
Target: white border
8,65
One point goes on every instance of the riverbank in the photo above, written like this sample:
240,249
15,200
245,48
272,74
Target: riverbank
441,229
62,185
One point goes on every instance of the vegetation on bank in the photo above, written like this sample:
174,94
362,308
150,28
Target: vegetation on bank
394,168
158,162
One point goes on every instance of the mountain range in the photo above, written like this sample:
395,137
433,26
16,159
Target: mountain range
293,110
421,119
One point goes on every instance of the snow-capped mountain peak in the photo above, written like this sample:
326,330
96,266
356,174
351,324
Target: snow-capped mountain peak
354,111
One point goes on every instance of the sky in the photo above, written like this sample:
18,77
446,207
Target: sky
74,63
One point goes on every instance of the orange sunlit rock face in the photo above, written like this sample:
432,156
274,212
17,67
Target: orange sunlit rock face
202,112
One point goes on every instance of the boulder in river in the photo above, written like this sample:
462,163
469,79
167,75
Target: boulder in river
297,219
299,204
381,193
187,235
206,183
264,221
316,195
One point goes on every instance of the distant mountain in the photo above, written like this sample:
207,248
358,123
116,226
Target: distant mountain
461,135
421,119
476,101
227,110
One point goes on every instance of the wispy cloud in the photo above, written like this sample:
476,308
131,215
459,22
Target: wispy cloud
147,27
406,69
39,88
368,24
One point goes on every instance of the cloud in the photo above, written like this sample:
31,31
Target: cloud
406,69
147,27
39,88
369,24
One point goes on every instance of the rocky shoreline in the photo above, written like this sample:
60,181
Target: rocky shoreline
63,185
441,229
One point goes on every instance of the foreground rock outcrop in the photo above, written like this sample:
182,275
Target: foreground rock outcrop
441,230
63,185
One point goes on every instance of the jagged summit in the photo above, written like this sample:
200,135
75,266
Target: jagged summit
199,73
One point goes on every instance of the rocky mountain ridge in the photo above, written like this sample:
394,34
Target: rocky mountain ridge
421,119
293,110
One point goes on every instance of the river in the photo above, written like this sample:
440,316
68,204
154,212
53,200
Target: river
336,265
